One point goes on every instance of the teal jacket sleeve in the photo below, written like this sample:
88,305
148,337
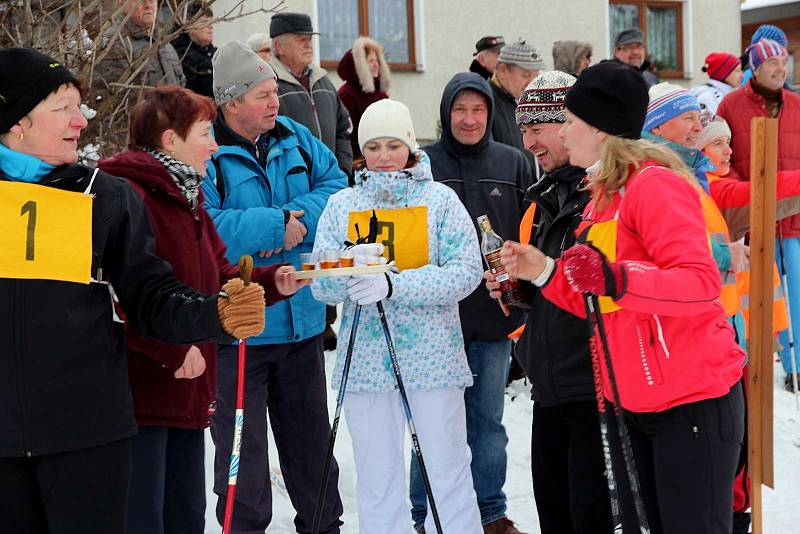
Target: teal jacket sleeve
244,231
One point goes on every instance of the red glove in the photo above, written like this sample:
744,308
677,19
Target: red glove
588,271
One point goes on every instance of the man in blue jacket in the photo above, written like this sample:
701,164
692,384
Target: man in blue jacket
265,190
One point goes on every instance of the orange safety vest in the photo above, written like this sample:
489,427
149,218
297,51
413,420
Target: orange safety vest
525,234
780,316
718,231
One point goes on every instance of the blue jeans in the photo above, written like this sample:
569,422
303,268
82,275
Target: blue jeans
489,362
791,250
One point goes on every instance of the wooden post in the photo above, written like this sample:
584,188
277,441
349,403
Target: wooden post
763,171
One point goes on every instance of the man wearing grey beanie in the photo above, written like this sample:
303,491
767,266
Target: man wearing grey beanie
265,191
517,65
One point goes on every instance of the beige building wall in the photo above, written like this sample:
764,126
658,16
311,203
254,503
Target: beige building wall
448,29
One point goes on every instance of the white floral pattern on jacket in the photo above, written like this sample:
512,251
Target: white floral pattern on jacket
422,311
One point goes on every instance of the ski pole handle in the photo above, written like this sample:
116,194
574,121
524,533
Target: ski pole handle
245,268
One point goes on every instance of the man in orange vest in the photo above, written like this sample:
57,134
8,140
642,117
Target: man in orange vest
566,452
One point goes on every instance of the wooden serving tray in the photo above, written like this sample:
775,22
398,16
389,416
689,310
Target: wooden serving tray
344,271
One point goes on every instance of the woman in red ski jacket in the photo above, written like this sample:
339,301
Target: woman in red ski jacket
173,385
676,362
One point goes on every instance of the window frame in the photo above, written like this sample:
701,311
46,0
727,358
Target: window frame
674,4
363,29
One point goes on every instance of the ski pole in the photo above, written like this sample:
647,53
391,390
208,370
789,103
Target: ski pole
409,419
593,306
790,332
245,270
613,496
335,427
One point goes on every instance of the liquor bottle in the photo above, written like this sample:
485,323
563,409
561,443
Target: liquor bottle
491,243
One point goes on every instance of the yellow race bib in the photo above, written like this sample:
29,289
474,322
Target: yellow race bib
403,232
45,233
603,235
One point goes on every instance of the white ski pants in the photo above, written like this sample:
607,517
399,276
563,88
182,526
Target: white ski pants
377,426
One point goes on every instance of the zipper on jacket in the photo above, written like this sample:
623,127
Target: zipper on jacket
314,108
16,325
661,336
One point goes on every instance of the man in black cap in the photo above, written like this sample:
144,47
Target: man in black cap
309,97
487,50
629,48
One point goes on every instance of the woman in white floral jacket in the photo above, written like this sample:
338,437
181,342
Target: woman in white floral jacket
426,230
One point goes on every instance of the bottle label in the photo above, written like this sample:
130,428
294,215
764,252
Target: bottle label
500,276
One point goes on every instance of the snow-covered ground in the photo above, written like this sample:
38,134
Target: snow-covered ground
781,510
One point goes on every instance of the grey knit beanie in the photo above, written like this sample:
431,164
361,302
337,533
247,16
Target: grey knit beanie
522,55
237,69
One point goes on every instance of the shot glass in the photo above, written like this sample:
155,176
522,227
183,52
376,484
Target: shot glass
329,260
347,259
307,262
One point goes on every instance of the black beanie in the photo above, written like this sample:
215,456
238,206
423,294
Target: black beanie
26,78
612,97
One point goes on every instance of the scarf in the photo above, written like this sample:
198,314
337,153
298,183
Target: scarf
185,176
20,167
697,162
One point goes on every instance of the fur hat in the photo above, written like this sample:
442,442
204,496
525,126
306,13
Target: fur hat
386,118
236,69
361,47
567,55
543,99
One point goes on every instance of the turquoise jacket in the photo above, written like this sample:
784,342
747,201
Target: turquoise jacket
248,205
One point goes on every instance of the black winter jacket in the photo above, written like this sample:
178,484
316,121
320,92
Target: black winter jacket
490,178
63,365
505,129
322,111
196,62
554,349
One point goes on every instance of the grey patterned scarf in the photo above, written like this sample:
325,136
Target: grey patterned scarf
186,177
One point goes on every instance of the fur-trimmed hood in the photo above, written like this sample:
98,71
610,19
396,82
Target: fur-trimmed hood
567,55
353,67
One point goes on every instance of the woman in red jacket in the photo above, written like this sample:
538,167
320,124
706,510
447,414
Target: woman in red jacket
173,385
676,363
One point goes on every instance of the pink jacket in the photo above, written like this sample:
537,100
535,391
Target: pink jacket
670,343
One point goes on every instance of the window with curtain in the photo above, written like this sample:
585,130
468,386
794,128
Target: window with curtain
390,22
662,25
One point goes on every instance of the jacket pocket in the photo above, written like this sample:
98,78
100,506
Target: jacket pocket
648,344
